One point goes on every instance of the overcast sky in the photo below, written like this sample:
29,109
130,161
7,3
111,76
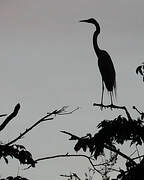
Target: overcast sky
47,61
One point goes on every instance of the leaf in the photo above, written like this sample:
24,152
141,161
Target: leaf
139,70
79,145
6,160
73,137
9,178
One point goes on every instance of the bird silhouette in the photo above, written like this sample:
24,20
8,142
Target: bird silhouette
105,64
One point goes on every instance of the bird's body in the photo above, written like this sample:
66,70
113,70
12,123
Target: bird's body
105,64
107,71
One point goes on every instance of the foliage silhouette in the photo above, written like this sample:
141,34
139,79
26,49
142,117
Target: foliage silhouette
14,178
110,134
17,151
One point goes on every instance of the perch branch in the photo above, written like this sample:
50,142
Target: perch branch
115,107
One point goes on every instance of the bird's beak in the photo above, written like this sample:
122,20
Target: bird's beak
84,21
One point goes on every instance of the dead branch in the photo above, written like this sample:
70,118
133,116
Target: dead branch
69,112
62,111
115,107
10,117
43,119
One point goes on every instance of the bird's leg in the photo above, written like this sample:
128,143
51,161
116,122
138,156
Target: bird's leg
102,95
111,100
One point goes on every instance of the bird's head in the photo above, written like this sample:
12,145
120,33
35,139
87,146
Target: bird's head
91,20
94,22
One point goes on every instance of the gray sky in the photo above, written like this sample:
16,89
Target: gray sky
47,61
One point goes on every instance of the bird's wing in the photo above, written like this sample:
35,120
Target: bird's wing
107,70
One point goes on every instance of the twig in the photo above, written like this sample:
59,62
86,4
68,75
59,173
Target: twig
137,110
103,164
10,117
2,115
132,153
138,153
141,113
43,119
71,175
70,111
138,157
115,107
62,111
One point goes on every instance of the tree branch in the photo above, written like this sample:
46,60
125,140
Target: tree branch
43,119
10,117
74,137
68,156
115,107
70,111
71,176
138,157
2,115
120,153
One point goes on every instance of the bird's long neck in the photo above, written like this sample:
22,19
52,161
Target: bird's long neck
95,36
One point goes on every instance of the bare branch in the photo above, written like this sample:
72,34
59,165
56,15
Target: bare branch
43,119
138,153
63,111
68,156
27,130
137,110
71,176
10,117
141,113
138,157
70,111
2,115
30,128
115,107
133,153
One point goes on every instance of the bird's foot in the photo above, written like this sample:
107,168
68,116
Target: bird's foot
111,106
101,106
